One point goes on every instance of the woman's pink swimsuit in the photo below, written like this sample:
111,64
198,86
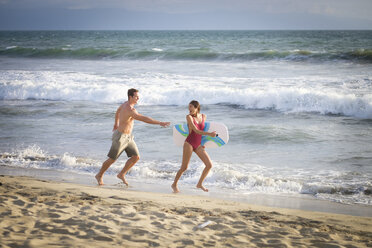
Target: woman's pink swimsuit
194,139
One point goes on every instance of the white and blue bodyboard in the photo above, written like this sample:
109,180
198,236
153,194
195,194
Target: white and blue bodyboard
181,131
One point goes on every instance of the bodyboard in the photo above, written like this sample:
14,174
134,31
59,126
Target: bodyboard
181,131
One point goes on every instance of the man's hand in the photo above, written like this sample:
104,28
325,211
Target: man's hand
115,127
164,124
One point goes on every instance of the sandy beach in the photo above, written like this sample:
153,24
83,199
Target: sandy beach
41,213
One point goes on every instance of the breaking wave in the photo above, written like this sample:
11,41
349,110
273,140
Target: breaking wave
59,86
198,54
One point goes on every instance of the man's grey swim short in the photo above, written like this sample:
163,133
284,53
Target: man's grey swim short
122,142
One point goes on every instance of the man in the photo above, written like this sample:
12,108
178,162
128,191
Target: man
122,138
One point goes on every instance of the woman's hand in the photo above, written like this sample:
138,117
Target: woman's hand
213,134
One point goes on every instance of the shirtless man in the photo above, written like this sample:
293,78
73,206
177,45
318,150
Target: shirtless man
122,138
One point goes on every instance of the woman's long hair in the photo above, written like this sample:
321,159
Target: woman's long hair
196,105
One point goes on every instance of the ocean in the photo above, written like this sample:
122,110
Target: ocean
298,106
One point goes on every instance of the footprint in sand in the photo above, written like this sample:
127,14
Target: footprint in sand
103,238
19,203
158,224
149,243
50,203
53,215
185,241
159,215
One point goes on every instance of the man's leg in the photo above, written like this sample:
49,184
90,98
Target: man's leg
129,164
113,153
104,167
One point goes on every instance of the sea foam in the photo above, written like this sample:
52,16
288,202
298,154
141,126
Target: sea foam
64,86
242,178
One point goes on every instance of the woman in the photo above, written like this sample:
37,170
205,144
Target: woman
195,122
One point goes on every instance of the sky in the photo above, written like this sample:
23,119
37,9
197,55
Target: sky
184,14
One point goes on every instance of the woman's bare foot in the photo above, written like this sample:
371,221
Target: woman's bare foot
175,188
123,179
202,187
99,180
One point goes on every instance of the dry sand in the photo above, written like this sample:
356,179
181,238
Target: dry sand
39,213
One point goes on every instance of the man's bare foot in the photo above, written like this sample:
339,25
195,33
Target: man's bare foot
202,187
175,188
123,179
99,180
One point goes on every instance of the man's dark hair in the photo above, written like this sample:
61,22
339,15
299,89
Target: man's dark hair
131,92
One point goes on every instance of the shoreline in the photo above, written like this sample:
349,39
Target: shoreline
289,201
38,213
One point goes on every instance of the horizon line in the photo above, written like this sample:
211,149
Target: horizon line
309,29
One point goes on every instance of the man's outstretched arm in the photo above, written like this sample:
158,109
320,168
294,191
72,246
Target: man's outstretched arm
137,116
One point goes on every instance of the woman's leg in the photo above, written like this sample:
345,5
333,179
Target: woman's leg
203,155
187,152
